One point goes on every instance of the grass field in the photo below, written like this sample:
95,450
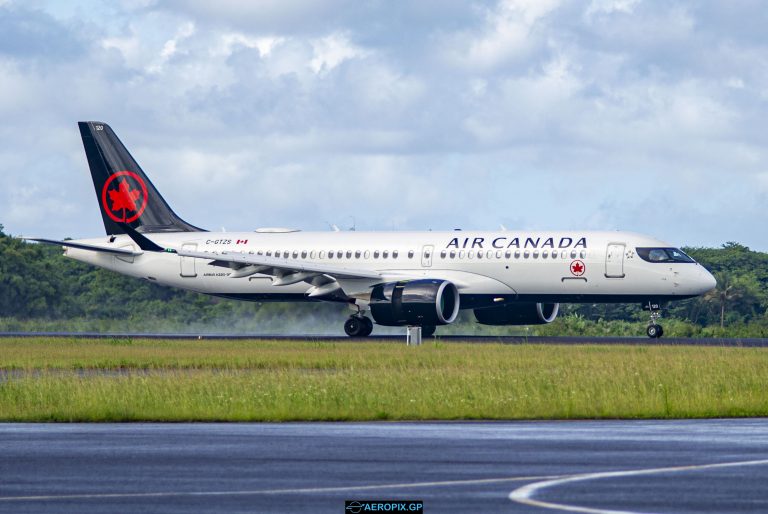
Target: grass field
261,380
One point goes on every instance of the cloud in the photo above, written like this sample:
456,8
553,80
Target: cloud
35,35
434,114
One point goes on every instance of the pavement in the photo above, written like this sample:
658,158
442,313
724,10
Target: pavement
700,466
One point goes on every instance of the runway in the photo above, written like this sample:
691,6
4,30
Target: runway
596,466
688,341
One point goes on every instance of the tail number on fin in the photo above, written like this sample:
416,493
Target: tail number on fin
124,197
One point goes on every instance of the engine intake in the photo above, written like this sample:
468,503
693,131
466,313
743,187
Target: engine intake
415,302
518,314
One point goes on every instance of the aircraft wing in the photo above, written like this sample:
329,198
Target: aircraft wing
287,271
83,246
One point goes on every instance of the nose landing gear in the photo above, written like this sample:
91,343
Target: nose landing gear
358,326
654,330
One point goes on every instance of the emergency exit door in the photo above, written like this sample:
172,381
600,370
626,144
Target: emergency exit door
614,260
188,263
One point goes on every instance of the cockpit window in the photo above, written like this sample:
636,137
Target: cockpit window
663,255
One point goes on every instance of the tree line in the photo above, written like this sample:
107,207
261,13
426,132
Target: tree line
40,289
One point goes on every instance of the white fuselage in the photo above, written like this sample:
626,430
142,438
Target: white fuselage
505,266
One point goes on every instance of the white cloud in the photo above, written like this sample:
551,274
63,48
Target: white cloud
332,50
507,34
534,114
264,45
610,6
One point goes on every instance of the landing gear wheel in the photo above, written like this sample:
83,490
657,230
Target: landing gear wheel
428,330
358,326
654,331
354,326
367,327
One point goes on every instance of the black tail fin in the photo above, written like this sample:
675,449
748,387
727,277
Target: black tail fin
125,194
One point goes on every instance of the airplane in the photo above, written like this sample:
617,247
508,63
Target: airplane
409,279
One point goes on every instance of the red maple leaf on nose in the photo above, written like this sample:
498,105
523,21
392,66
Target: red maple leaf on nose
576,267
124,198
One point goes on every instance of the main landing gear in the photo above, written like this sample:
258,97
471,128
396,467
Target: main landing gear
358,326
654,330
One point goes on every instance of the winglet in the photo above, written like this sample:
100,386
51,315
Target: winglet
142,241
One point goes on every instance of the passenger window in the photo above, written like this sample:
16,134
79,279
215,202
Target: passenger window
349,254
269,253
471,254
479,254
312,254
517,254
394,254
508,254
339,254
535,254
410,254
303,254
295,254
453,254
375,254
544,254
526,254
573,254
554,254
357,254
583,254
322,254
367,254
443,254
461,254
498,254
385,254
330,254
286,255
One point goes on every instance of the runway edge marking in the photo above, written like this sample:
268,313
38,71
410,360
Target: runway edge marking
310,490
525,494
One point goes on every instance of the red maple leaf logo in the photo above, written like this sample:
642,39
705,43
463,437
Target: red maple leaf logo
129,199
124,198
577,268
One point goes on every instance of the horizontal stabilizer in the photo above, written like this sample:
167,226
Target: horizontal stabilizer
81,246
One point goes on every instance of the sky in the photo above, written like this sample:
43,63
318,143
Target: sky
381,115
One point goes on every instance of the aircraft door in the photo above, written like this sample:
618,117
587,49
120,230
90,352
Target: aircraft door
188,263
426,256
614,260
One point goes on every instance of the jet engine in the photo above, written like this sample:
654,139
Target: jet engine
518,314
416,302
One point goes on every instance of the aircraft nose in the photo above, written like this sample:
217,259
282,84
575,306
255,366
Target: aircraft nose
706,281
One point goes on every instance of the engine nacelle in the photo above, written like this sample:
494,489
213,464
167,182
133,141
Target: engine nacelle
415,302
518,314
